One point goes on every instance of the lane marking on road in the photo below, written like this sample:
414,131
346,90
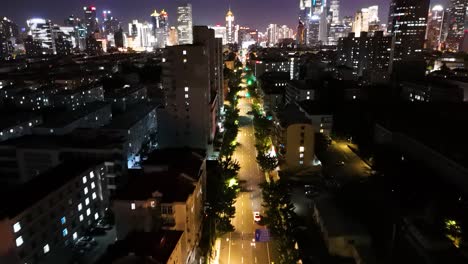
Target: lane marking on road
242,259
255,259
242,245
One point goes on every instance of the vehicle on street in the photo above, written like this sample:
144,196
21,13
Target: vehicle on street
103,225
340,163
257,216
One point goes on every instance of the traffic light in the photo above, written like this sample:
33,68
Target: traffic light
247,94
249,82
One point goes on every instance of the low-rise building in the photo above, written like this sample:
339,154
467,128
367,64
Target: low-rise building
73,99
24,158
431,92
50,212
17,124
294,137
301,90
343,237
168,192
320,115
121,97
135,125
163,246
92,115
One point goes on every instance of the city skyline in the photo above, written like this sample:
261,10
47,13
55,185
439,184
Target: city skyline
205,12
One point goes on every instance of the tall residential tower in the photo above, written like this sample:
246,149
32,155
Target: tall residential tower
184,24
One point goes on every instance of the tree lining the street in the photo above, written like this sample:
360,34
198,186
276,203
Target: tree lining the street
280,219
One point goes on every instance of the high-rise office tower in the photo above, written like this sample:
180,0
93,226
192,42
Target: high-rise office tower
457,15
141,35
407,23
41,30
90,19
434,27
160,25
8,35
230,27
110,24
184,24
334,12
366,20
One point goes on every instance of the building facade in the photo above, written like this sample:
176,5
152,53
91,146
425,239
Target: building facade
185,119
184,24
407,24
38,224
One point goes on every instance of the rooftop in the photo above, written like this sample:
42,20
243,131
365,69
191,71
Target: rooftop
315,108
79,138
181,160
132,115
8,120
172,186
291,114
15,200
62,119
137,246
335,222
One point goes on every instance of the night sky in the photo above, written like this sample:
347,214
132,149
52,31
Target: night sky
253,13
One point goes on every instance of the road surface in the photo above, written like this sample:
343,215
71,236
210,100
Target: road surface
238,247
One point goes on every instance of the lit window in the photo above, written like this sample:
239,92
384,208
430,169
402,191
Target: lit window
301,162
153,204
163,59
301,155
85,190
80,206
354,97
17,227
301,149
46,248
186,89
19,241
91,175
185,60
133,206
81,218
87,201
75,236
184,52
93,185
186,95
94,195
321,130
63,220
96,216
64,232
84,179
308,92
88,212
308,97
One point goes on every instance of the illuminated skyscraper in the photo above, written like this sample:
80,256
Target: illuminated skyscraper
110,24
184,24
160,25
141,35
41,32
90,19
366,20
407,23
457,13
230,27
335,12
434,27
